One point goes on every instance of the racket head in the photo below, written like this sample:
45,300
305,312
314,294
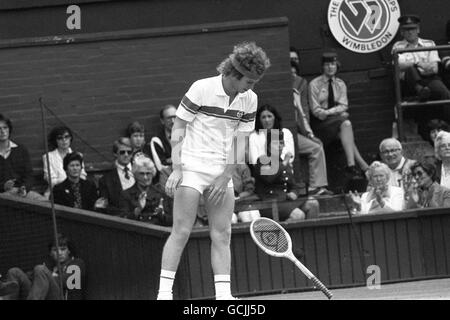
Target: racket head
271,237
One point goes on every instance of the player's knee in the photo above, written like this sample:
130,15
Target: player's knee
40,269
181,233
221,235
14,271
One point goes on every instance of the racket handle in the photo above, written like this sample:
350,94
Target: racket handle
322,287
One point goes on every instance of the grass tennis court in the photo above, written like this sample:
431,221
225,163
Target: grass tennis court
436,289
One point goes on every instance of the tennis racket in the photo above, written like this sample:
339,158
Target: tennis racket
274,240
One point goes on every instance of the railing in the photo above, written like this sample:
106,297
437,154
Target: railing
400,104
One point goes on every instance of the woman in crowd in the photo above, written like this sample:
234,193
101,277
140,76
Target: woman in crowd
442,152
271,152
381,197
426,192
60,140
329,106
434,127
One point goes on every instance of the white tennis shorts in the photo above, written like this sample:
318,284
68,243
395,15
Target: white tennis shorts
200,181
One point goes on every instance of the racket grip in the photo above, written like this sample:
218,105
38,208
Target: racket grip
322,287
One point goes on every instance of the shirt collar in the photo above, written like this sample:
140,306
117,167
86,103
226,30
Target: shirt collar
12,144
220,91
123,167
325,78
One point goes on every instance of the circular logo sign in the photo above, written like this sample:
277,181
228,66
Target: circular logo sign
363,26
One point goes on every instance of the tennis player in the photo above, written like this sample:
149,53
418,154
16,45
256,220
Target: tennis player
211,118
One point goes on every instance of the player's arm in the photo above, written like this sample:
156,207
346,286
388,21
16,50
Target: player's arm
176,141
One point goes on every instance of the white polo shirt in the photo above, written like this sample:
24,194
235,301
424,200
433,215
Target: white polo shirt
212,122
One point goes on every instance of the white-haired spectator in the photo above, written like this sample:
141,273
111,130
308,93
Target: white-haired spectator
382,197
442,152
391,153
145,201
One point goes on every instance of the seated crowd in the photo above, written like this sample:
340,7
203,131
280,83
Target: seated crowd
134,187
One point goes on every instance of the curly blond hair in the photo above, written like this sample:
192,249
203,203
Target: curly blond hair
249,56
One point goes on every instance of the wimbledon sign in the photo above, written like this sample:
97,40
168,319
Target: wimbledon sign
363,26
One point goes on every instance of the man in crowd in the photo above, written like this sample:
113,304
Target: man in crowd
43,282
391,152
15,165
420,68
308,143
117,179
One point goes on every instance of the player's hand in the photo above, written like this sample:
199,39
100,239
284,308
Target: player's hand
173,182
217,190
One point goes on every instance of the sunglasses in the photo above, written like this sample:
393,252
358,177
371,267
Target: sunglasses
128,152
64,137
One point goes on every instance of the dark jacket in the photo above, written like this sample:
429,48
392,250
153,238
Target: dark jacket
129,201
110,188
72,293
63,194
16,166
277,185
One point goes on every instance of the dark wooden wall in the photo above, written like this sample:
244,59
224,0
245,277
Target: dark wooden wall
123,257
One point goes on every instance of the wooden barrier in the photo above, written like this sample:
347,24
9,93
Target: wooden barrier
123,257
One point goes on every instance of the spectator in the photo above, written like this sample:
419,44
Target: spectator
42,283
15,165
442,151
419,69
136,134
382,197
270,142
391,153
329,105
160,144
144,201
426,192
117,179
308,143
435,126
244,190
294,56
74,191
60,139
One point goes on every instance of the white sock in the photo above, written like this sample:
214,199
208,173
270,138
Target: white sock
166,279
222,284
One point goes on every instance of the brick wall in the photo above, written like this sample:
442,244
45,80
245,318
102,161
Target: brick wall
99,87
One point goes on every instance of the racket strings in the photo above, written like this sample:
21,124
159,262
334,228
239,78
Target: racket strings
270,236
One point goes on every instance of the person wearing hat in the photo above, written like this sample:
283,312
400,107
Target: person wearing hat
329,105
419,70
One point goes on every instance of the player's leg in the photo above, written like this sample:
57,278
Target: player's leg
219,217
184,213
